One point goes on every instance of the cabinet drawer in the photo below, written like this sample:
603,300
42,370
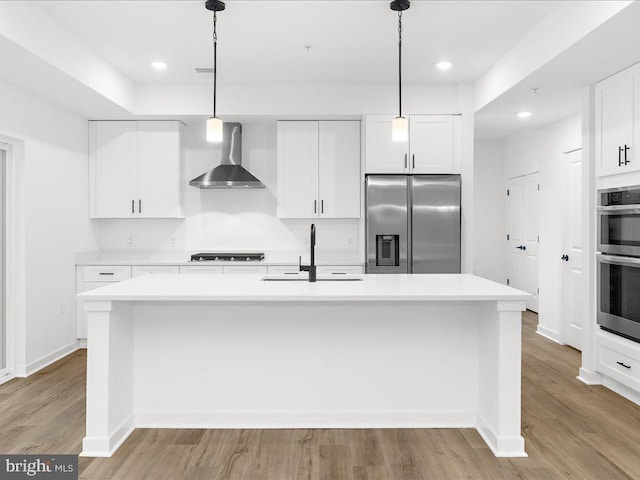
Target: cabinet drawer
104,273
340,270
139,270
619,359
620,363
284,269
201,269
240,269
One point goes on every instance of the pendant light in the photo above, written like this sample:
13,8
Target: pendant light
400,125
214,124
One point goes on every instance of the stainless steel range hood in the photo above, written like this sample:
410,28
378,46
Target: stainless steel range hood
230,173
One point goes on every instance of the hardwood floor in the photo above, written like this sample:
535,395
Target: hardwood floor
571,431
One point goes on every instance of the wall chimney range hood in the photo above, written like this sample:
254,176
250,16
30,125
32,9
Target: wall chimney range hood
230,173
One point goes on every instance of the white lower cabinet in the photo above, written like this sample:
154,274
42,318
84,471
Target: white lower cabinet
340,270
619,359
201,269
245,269
283,269
91,277
137,271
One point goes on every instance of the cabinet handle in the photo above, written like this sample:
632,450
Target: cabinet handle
406,156
619,156
413,160
623,365
139,206
133,206
626,149
315,206
321,206
106,273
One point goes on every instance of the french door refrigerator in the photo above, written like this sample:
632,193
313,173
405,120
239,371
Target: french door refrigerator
412,223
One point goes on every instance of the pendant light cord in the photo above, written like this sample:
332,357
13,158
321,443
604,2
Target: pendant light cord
400,63
215,62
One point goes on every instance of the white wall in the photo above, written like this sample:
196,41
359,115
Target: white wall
231,219
55,193
489,211
543,151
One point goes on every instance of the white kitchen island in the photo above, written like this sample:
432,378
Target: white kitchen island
233,351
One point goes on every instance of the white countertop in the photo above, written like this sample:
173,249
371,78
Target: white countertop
373,288
181,258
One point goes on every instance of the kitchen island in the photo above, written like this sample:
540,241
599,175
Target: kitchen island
213,351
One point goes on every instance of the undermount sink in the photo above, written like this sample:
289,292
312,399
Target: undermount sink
320,278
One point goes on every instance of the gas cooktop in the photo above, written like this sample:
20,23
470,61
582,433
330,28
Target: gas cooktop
227,257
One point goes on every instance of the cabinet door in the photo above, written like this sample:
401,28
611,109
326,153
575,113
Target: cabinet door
158,170
381,154
113,169
431,143
245,269
298,169
339,169
614,124
632,156
140,270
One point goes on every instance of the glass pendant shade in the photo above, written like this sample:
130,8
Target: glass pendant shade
400,129
214,130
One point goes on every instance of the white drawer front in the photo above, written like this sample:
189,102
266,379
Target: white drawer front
619,366
284,269
340,270
201,269
241,269
103,273
139,270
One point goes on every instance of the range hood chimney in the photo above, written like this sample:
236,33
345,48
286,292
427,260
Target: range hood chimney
230,173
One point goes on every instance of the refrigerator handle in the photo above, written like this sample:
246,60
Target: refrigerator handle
406,157
410,225
413,161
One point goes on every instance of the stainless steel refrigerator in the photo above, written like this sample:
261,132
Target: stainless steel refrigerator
413,223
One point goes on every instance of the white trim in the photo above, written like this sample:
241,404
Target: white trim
549,334
259,419
588,377
105,447
501,447
9,376
33,367
621,389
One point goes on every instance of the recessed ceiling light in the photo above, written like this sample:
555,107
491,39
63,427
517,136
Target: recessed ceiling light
523,114
443,65
159,66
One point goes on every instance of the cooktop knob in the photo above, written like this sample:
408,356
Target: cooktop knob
248,258
216,258
201,258
232,259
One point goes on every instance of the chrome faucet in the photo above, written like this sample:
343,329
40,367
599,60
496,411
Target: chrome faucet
312,267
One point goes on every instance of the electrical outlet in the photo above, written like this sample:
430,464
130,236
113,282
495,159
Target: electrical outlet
172,242
349,241
61,308
130,240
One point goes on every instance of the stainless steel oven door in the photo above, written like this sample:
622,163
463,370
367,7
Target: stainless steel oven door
619,230
619,295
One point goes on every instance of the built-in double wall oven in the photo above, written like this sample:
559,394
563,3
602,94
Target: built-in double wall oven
619,261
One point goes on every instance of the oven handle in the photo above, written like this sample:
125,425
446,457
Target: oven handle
619,208
602,258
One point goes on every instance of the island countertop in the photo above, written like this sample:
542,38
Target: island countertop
372,288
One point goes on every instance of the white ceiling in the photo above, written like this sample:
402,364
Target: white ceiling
264,41
605,51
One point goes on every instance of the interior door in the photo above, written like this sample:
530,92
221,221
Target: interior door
573,298
522,243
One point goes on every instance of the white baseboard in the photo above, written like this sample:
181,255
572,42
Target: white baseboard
589,377
621,389
304,419
105,447
501,447
6,378
33,367
82,343
548,333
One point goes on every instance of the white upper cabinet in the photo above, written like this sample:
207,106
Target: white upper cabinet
617,106
135,169
339,169
319,169
381,154
432,146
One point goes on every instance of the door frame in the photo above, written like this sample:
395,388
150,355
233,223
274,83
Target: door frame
14,285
